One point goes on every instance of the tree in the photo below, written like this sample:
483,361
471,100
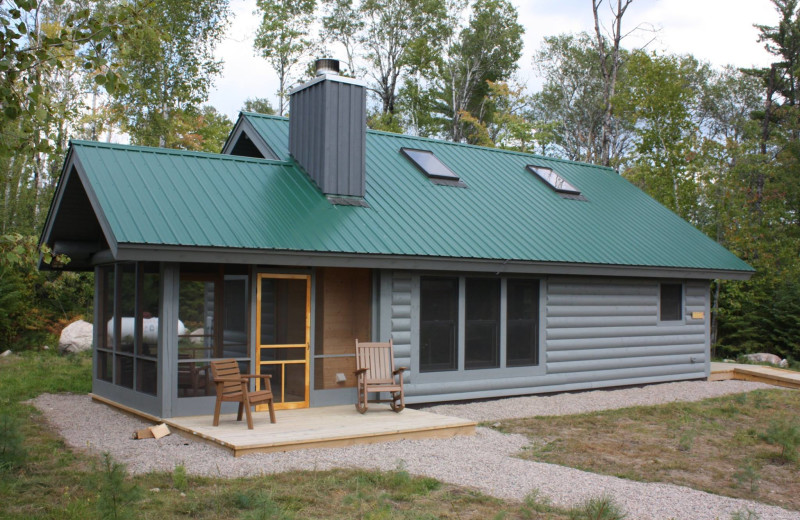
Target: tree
168,64
46,51
203,130
392,38
342,23
486,50
570,103
660,95
610,59
258,105
283,39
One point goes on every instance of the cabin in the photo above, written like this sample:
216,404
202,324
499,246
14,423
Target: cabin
494,272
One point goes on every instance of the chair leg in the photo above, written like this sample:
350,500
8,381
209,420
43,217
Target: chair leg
216,411
271,411
361,402
247,411
239,415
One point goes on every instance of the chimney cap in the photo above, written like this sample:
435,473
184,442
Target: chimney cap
326,66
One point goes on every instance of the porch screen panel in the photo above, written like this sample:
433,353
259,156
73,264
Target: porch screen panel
283,311
105,347
438,324
126,321
148,324
212,312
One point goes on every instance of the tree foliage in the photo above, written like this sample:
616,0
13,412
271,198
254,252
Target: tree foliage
168,65
283,38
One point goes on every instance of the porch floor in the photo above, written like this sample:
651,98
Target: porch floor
757,373
326,427
323,427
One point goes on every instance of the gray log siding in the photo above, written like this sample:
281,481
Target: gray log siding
597,333
401,320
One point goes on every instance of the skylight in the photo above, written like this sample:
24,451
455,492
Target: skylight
554,180
430,165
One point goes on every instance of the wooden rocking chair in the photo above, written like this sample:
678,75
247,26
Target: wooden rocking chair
232,386
375,373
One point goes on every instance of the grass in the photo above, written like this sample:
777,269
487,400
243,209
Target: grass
742,445
51,481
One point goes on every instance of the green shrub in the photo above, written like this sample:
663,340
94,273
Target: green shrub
603,507
115,496
786,435
179,480
748,475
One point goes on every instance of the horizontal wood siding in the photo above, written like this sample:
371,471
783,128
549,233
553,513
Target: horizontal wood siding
593,326
401,319
598,333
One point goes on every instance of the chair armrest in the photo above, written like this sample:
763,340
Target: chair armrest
257,376
360,371
399,370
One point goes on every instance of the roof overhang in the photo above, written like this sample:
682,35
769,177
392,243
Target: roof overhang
166,253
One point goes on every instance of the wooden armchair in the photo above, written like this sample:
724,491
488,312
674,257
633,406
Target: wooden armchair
375,373
232,386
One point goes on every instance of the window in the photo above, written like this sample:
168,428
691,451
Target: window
671,301
478,323
553,179
482,324
522,323
431,166
438,331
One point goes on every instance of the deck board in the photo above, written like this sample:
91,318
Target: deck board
323,427
756,373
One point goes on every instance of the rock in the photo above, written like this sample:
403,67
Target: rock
46,347
6,353
76,337
197,336
762,357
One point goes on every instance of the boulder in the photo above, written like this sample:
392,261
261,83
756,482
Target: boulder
197,336
762,357
76,337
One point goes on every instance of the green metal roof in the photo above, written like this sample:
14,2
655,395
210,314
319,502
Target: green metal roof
154,196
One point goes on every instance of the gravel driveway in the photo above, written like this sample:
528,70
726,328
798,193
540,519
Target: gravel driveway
484,461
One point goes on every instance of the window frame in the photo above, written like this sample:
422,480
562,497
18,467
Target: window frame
463,374
442,180
681,301
570,190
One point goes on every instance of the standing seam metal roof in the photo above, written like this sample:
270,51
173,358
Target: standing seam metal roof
171,197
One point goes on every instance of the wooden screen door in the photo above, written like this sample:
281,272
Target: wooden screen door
283,322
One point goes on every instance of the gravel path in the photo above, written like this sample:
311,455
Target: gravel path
484,461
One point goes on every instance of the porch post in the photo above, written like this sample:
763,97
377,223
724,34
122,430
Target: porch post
168,336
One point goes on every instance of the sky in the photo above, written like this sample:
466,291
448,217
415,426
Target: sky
717,31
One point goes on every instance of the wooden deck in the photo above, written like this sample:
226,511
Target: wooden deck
757,373
325,427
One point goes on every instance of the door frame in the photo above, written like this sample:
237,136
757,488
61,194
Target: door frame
258,347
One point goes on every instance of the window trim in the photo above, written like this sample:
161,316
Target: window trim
570,190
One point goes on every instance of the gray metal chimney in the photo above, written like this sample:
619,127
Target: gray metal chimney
328,128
